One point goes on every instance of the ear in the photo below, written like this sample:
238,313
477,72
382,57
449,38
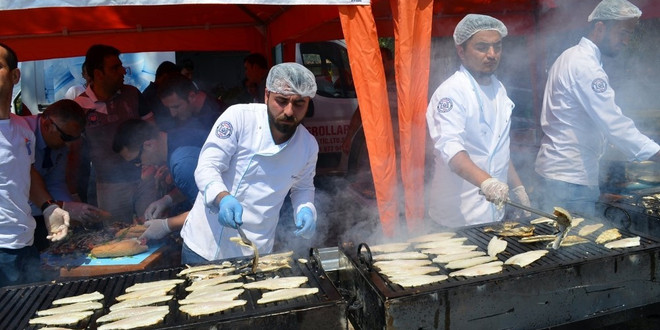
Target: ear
15,75
600,29
461,52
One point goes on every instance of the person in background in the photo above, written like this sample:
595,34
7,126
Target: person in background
256,154
78,89
580,114
108,102
21,183
161,114
469,120
190,107
141,142
59,125
256,70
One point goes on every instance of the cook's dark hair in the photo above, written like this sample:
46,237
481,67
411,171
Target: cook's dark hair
67,110
256,58
176,84
95,57
132,134
12,59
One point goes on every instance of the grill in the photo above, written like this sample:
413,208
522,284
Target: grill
324,310
639,211
567,285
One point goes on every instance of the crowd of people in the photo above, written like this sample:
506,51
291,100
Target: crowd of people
176,159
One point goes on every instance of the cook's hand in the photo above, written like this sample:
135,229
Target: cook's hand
82,212
57,222
520,195
231,212
157,209
496,191
156,229
305,223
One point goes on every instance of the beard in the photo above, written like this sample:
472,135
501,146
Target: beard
283,123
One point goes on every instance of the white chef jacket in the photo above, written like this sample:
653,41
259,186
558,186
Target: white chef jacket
579,114
240,156
463,115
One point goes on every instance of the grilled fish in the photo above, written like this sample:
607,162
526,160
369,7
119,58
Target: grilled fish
137,320
389,248
496,245
62,319
432,237
211,307
479,270
217,287
400,255
623,243
541,220
443,259
148,292
392,272
211,296
405,263
203,267
212,281
79,298
154,284
451,249
128,312
576,221
465,263
417,280
608,235
571,240
526,258
285,294
588,229
77,307
278,283
210,273
505,225
537,238
139,302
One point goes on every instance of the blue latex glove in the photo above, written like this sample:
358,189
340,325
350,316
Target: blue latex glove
305,223
231,212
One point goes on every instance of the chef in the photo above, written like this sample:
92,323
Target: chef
579,113
469,117
254,156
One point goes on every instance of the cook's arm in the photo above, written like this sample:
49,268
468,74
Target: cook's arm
463,166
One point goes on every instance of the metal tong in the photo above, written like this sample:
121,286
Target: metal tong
563,222
243,237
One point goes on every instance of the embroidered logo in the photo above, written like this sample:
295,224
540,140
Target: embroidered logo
445,104
224,130
599,85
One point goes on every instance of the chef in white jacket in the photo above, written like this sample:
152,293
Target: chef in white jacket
253,157
579,113
469,117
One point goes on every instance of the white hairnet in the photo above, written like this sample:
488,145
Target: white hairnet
473,23
614,10
290,79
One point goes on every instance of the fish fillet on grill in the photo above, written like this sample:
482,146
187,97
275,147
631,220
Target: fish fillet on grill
212,281
488,268
148,292
285,294
465,263
496,245
588,229
452,249
400,255
405,263
210,273
432,237
571,240
62,319
389,248
216,287
128,312
139,302
194,269
623,243
137,321
286,282
455,241
576,221
608,235
79,298
211,296
526,258
417,280
392,272
445,258
537,238
153,284
541,220
211,307
77,307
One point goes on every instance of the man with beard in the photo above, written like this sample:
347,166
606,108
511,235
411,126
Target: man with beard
469,121
579,113
255,155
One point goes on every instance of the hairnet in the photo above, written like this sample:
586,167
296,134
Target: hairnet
473,23
614,10
290,79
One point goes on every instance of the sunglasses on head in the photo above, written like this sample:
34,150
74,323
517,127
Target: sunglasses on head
65,137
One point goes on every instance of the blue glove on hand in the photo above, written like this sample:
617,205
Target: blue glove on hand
305,223
231,212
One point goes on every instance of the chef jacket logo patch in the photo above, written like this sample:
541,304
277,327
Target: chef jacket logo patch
599,85
445,104
224,130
